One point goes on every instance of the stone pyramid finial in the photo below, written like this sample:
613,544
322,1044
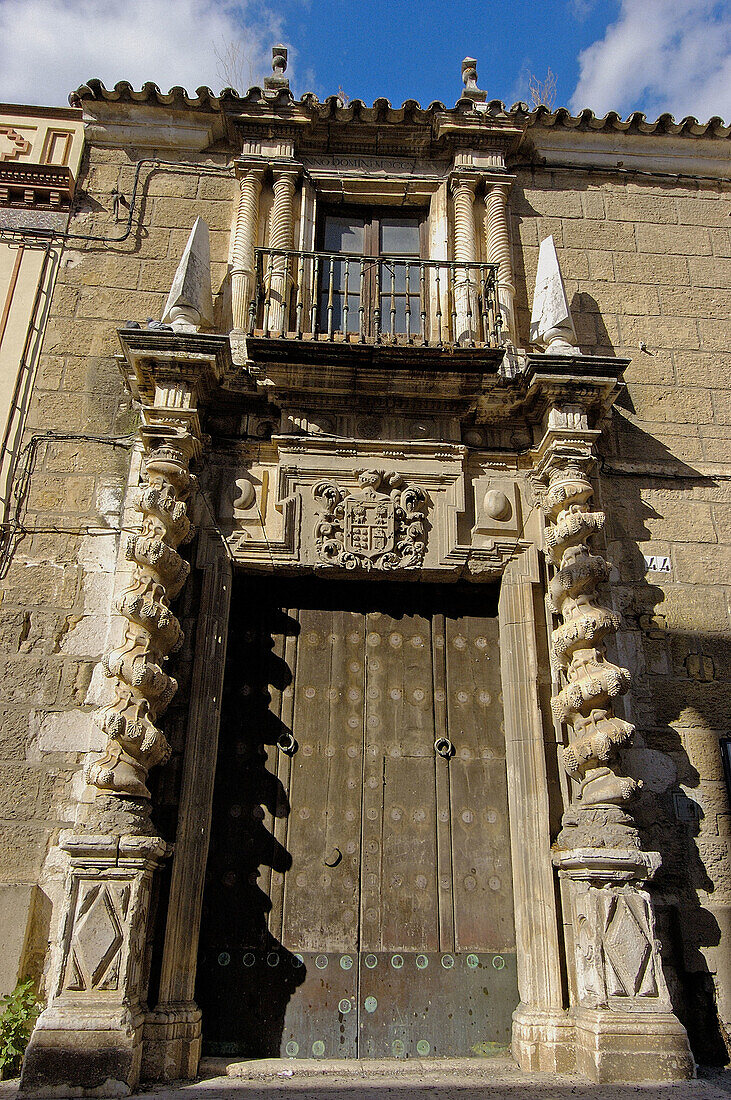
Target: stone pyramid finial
278,81
190,302
551,324
469,79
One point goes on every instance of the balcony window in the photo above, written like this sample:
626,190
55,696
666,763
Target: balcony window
370,280
377,285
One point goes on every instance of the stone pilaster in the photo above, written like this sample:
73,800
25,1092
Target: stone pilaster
90,1036
625,1026
244,243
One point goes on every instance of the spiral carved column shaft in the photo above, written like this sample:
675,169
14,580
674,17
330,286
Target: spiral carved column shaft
281,236
247,224
499,252
465,253
142,689
592,682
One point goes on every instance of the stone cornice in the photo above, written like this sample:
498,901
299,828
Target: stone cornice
481,117
155,357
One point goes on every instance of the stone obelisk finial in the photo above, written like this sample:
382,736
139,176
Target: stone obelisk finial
551,324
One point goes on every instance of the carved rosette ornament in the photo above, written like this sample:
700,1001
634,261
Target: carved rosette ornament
585,703
378,526
143,690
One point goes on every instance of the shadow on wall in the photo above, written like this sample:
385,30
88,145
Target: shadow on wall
591,331
680,708
245,977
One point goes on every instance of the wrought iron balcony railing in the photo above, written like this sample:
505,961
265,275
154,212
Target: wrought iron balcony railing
336,296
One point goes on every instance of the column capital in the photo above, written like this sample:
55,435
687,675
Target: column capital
465,178
246,167
286,170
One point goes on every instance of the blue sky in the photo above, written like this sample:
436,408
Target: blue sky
414,49
649,55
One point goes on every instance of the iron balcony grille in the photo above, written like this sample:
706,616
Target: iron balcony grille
346,297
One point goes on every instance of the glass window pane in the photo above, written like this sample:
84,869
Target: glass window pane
399,305
400,236
397,271
344,234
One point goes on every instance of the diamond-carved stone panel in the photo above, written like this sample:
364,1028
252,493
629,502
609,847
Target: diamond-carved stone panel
97,939
628,951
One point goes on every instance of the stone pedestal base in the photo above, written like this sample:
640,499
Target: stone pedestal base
632,1046
88,1042
543,1041
97,1052
172,1048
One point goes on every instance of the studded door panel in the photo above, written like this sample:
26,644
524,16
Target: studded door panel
385,924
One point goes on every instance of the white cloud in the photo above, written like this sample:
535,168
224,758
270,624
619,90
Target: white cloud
660,55
49,47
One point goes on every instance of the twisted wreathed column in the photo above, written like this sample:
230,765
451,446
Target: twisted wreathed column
281,240
244,244
625,1026
90,1035
464,282
142,690
499,252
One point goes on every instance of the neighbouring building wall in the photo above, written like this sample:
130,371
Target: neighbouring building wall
647,265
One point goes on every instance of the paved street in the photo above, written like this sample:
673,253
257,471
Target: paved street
464,1079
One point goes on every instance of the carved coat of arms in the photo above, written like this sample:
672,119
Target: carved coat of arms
380,525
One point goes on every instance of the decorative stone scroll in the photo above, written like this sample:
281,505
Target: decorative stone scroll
373,527
143,690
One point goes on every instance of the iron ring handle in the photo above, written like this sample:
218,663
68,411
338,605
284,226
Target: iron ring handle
444,747
287,744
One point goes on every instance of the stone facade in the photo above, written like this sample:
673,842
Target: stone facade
591,484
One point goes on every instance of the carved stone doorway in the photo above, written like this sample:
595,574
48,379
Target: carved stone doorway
358,897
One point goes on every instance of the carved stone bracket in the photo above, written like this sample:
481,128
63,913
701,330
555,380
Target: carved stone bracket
373,527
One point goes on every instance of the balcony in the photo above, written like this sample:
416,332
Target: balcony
349,299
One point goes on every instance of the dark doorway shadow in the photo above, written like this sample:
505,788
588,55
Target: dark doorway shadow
245,976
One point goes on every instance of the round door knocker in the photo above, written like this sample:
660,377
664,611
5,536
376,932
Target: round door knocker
287,744
444,747
333,857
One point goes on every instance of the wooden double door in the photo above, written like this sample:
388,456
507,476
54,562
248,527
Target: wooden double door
358,898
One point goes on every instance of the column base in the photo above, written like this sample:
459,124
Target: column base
94,1052
631,1046
172,1043
543,1041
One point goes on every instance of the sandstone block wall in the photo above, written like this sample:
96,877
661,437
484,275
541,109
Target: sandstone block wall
645,262
647,265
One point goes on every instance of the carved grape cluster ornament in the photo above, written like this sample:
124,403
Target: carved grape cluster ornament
142,690
380,525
